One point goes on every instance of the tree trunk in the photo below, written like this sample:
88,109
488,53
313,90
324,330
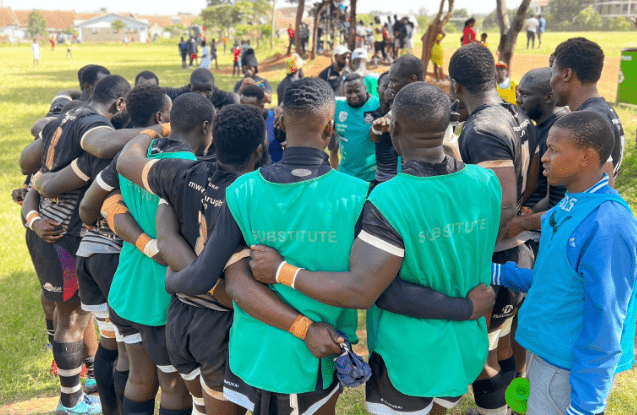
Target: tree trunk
351,38
434,29
335,34
272,26
297,28
509,34
317,20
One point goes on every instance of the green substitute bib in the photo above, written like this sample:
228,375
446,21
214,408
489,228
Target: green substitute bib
449,225
138,290
358,153
311,223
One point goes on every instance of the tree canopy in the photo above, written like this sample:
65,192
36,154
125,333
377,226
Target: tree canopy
37,24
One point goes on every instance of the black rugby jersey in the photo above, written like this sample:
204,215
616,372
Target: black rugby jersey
386,156
600,106
197,192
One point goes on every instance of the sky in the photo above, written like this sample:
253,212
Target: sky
148,7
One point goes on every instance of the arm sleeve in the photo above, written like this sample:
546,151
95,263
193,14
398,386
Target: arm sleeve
166,178
200,276
109,178
402,297
482,147
511,276
607,268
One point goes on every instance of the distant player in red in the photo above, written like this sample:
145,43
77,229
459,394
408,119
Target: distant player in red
52,44
236,51
291,36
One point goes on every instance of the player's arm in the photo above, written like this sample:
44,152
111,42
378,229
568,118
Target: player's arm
511,276
609,281
172,246
104,143
413,300
39,125
48,230
31,157
121,222
377,129
263,304
91,203
532,176
65,180
505,172
371,270
132,162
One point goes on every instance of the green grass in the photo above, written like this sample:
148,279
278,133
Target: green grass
25,94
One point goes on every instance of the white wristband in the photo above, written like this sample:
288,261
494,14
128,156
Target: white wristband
32,221
376,131
150,249
294,279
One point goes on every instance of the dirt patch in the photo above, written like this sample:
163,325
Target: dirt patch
42,405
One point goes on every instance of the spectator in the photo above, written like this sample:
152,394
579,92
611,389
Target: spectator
468,34
532,25
540,30
35,49
291,37
183,50
193,50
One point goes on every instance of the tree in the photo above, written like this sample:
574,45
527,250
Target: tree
317,18
297,26
223,16
509,32
351,38
588,19
566,10
433,30
37,24
117,25
272,25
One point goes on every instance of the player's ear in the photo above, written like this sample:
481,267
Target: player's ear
205,126
394,129
567,75
548,98
282,123
329,129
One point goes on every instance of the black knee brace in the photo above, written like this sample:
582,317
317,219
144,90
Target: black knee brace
489,393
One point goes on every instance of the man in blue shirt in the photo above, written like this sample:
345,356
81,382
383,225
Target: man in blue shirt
541,29
578,318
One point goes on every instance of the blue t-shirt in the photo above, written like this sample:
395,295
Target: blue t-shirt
276,152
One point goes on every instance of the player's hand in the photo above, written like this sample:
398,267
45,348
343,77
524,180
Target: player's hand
18,195
247,81
264,262
483,300
49,231
278,112
322,340
381,124
516,227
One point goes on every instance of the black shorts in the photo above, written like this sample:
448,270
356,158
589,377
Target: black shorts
506,300
261,402
197,342
55,266
379,46
94,277
383,398
153,338
235,64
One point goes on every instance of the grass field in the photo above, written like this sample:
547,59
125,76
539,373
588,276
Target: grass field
25,94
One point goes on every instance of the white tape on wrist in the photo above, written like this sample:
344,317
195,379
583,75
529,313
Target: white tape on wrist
278,270
375,131
150,249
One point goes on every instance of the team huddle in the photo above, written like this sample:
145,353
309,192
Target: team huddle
224,248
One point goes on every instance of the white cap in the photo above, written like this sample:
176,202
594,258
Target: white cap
341,50
359,53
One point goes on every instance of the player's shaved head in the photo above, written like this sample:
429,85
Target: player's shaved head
146,78
420,107
473,67
189,112
539,79
409,65
110,89
589,130
202,76
309,101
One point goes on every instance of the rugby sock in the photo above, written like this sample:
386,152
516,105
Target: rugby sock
489,395
68,357
120,379
139,408
185,411
198,406
89,362
50,331
104,376
507,370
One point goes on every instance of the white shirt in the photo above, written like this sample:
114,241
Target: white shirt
532,24
35,48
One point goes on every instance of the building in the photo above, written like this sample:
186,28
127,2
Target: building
615,8
10,28
100,29
538,7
